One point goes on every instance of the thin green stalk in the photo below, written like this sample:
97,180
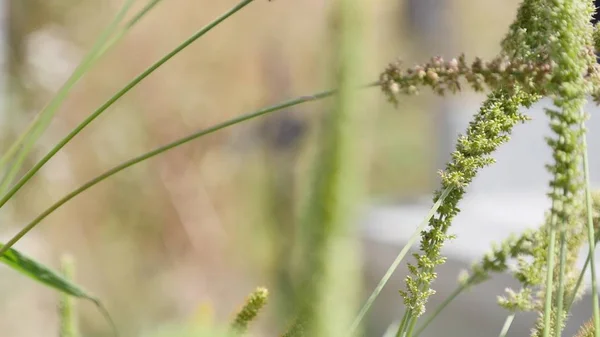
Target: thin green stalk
67,311
43,118
561,281
578,284
392,268
162,149
591,234
116,97
411,326
582,273
441,307
128,25
549,275
507,324
151,4
402,326
106,314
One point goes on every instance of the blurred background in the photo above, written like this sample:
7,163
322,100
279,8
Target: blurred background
181,239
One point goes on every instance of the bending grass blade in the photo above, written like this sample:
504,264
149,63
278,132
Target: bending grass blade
160,150
581,275
39,124
388,274
40,273
127,27
116,97
28,138
507,324
578,284
37,271
591,234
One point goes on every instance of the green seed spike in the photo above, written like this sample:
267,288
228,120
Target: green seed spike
250,310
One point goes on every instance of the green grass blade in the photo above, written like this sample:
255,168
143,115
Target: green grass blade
582,273
578,284
115,98
25,141
591,234
128,25
388,274
37,271
149,6
160,150
507,324
39,125
50,278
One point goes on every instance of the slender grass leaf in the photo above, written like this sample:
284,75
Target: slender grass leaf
39,272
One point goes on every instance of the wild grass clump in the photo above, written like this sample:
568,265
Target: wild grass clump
549,51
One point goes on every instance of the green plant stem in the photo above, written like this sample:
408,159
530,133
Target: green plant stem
591,234
38,125
43,117
561,281
507,324
411,326
441,307
388,274
127,27
578,284
116,97
67,311
162,149
549,275
402,326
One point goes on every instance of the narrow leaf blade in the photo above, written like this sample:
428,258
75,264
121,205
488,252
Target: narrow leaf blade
39,272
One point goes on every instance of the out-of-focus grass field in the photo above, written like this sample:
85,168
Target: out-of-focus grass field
183,238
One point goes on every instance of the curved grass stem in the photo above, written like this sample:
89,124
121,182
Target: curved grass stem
388,274
578,284
591,234
116,97
160,150
26,140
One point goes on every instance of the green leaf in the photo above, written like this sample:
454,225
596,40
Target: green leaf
43,274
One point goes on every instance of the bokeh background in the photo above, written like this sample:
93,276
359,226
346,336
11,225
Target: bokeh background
181,239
